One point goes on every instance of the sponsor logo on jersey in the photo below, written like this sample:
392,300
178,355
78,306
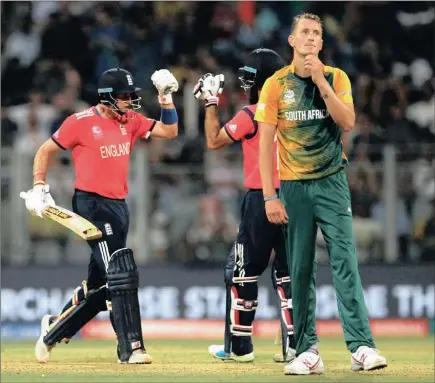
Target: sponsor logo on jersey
123,130
233,127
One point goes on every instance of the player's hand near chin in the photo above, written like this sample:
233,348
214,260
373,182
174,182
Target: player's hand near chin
37,199
315,67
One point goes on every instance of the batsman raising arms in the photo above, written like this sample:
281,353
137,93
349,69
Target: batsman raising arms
307,105
101,139
256,237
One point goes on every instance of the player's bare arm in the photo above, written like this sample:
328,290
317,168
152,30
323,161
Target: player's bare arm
39,196
216,137
275,210
343,114
42,159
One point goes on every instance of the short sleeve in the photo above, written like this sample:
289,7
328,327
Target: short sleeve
143,127
342,86
67,136
267,107
240,125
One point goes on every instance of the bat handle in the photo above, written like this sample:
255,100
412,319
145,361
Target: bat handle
23,195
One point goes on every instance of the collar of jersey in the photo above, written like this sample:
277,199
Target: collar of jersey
98,113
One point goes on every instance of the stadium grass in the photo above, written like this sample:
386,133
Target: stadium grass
410,360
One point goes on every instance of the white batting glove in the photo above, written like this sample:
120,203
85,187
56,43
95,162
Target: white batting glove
208,87
37,199
49,200
165,83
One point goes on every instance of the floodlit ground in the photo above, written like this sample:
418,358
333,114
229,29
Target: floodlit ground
410,360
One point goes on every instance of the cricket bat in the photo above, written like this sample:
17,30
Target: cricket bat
278,338
72,221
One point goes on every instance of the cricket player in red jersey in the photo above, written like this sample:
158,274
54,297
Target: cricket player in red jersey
256,237
101,139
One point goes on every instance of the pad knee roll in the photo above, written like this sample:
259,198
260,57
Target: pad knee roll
122,274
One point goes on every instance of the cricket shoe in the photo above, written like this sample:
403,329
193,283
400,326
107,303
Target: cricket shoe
291,354
42,351
367,358
138,357
307,363
218,352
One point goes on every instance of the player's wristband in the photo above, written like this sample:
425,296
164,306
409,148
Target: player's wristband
169,116
270,198
213,100
165,99
38,183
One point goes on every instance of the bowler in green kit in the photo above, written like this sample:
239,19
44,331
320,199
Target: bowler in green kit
305,107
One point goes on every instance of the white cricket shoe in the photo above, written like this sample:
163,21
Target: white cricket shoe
291,354
42,351
367,358
218,351
138,357
307,363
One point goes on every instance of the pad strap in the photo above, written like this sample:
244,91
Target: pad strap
242,280
242,311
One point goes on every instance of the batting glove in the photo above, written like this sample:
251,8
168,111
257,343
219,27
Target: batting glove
165,83
37,199
208,87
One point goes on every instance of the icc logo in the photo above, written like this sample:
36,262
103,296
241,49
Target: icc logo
289,97
97,132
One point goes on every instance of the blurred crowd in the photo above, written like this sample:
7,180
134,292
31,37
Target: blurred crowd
53,52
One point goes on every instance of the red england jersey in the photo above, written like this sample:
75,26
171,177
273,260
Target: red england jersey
244,128
101,149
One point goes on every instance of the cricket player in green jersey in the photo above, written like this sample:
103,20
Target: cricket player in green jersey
305,107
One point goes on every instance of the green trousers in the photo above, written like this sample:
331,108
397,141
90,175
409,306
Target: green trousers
325,204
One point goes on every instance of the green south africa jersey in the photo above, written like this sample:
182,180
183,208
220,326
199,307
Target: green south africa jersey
309,141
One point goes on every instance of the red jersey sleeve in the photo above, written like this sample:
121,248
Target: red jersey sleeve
241,125
67,136
143,127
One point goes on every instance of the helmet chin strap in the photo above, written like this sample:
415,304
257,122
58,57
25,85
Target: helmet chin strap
115,114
